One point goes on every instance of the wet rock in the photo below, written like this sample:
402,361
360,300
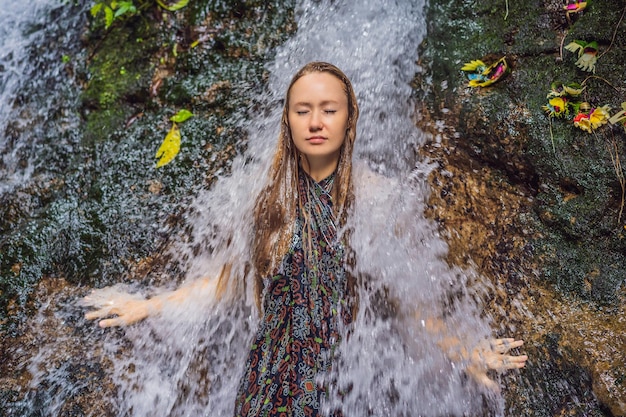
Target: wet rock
74,367
534,203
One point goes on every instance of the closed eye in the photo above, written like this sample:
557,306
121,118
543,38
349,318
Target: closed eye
330,111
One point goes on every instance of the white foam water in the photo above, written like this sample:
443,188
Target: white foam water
33,38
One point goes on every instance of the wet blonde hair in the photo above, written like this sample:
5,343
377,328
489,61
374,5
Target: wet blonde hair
276,206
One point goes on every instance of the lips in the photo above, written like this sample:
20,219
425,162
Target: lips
316,140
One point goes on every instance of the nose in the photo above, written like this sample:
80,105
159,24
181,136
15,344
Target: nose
315,123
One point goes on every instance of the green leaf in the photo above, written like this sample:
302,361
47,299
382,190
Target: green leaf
181,116
176,6
125,7
95,9
108,16
169,148
120,12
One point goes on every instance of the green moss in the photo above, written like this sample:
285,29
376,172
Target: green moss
119,75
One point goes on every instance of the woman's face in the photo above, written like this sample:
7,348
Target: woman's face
318,117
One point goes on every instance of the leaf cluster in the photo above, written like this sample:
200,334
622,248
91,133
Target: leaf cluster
113,10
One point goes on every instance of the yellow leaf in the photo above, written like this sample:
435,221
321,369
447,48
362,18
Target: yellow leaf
176,6
473,65
169,148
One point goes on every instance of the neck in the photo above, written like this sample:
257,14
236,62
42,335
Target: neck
319,168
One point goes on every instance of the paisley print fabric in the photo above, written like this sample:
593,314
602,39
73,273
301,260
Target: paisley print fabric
303,311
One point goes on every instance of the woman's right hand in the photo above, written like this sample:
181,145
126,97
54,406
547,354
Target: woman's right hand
118,308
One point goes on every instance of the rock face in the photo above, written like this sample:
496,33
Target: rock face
532,201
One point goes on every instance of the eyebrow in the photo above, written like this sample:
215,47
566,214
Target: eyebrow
323,103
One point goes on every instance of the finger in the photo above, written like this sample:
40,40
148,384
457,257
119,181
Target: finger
88,301
98,297
97,302
98,314
517,361
512,362
112,322
499,344
103,312
504,345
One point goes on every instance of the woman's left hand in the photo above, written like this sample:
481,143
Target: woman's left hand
494,355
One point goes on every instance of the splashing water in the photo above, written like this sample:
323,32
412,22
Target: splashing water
191,363
188,361
31,64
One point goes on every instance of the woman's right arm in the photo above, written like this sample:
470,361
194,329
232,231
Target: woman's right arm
119,308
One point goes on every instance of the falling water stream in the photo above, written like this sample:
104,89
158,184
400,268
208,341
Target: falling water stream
188,360
30,68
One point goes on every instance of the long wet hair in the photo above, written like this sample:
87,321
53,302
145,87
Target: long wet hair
276,206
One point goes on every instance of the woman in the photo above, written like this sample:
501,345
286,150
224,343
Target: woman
299,254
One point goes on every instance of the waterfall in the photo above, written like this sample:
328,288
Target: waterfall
32,56
188,361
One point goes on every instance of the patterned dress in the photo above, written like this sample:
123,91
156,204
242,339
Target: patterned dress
303,311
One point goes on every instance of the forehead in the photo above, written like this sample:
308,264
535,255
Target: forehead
317,86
